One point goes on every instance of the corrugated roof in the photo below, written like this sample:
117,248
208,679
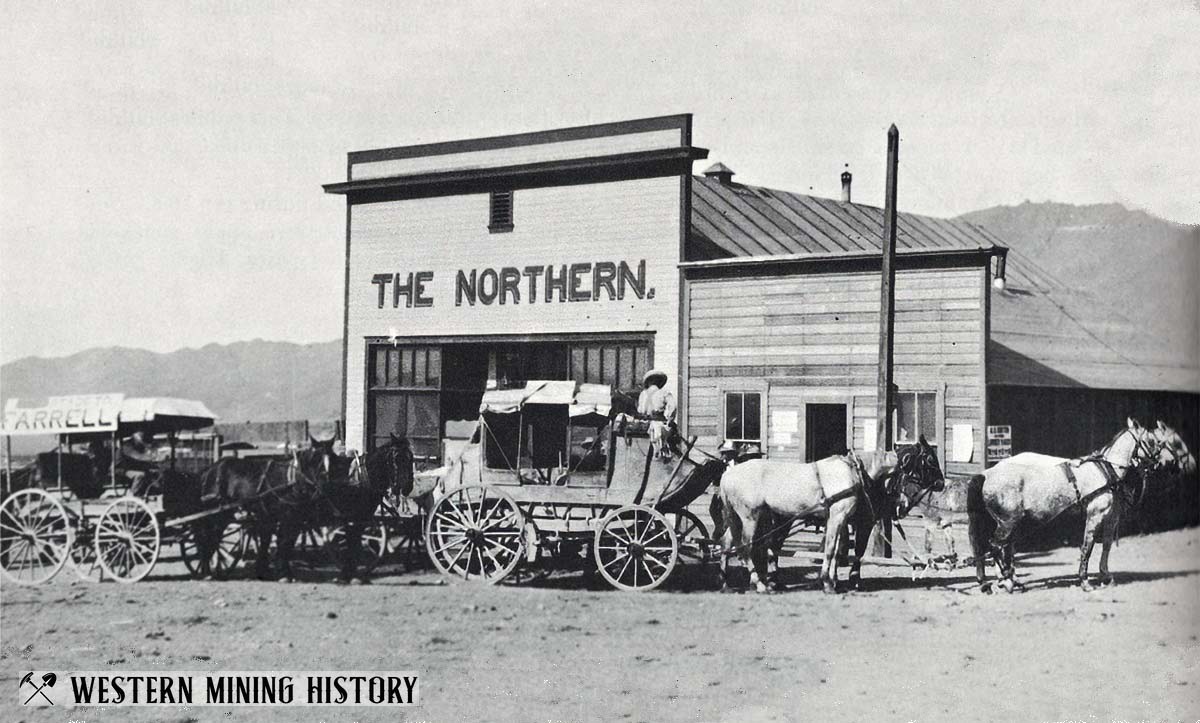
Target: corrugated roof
738,220
1043,332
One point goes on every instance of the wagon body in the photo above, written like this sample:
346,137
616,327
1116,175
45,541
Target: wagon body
569,479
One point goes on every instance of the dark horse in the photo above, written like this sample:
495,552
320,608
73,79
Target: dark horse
313,487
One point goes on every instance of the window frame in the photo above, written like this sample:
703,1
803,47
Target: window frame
761,441
939,395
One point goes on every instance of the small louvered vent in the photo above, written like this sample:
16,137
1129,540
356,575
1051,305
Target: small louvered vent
500,219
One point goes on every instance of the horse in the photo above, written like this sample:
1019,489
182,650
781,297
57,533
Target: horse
278,491
771,492
1036,488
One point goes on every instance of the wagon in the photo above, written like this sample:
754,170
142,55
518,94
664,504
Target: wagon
552,477
116,529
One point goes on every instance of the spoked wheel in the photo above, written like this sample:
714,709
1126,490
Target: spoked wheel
635,548
127,540
695,546
374,544
35,537
406,542
475,533
228,548
83,554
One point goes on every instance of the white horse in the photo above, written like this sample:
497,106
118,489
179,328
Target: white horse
1031,487
779,492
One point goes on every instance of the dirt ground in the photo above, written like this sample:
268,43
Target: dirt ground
567,650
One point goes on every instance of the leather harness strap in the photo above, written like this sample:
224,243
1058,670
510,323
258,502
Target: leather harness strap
1106,468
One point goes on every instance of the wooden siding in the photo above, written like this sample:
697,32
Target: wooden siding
627,221
564,150
814,338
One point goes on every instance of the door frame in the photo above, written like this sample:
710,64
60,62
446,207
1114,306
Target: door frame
825,396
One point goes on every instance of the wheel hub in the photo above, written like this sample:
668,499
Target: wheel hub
636,551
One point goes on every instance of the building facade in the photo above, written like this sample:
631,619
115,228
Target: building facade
485,263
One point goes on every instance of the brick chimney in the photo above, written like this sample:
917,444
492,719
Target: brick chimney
846,178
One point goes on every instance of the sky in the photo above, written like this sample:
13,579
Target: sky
161,163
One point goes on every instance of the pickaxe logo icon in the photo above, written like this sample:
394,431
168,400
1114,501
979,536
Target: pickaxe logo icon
48,681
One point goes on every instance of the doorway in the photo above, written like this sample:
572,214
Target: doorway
824,431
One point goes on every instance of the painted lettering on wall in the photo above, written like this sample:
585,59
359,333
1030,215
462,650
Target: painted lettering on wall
552,283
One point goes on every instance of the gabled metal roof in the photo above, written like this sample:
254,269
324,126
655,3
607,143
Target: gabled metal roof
737,220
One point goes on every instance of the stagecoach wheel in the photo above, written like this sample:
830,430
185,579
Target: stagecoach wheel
476,533
695,546
83,554
406,542
127,540
35,537
227,553
635,548
374,543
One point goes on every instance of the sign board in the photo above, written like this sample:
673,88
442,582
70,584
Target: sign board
999,443
78,414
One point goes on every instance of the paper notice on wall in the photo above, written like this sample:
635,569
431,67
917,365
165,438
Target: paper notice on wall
785,421
964,443
781,439
870,432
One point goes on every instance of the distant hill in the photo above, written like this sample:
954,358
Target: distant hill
1143,266
245,381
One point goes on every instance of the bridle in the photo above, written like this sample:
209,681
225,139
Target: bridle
908,458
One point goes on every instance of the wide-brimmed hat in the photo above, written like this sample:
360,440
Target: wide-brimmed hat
652,374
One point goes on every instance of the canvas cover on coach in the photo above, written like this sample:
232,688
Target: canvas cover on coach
581,399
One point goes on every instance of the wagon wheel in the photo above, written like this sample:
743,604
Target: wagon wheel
406,541
83,554
695,546
227,552
374,542
635,548
475,533
35,537
127,539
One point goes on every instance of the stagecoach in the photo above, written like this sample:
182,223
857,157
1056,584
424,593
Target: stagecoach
62,509
553,478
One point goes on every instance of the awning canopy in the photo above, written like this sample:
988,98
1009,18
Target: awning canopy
580,399
156,415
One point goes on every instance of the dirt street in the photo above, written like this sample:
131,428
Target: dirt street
563,651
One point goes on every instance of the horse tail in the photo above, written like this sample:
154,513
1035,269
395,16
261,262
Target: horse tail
980,524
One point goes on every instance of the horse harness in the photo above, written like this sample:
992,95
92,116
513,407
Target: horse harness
1111,480
853,461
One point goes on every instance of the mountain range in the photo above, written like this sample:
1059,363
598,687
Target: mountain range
1143,266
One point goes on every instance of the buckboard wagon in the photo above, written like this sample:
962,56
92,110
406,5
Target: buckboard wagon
552,478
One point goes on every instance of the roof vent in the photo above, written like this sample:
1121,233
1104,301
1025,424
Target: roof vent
721,172
846,178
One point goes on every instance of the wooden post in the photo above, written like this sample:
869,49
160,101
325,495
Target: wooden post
884,400
7,465
112,464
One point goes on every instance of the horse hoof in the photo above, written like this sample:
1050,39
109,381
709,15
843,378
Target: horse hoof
829,588
1107,581
985,588
287,580
762,589
1086,586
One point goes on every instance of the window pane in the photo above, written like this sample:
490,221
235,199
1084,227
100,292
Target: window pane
610,365
578,371
380,367
751,417
927,416
593,365
419,368
393,368
641,365
733,416
406,367
625,378
423,415
435,367
389,414
906,418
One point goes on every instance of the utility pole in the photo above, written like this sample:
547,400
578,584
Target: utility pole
884,400
887,300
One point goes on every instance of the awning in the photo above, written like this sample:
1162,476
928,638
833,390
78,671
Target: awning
580,399
163,414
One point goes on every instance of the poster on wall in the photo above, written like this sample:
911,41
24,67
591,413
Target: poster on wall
999,443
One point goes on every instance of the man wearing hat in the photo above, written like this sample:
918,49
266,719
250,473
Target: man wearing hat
657,404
